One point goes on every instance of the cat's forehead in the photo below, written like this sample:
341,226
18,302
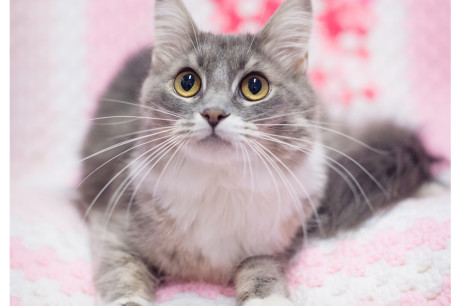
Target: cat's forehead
225,55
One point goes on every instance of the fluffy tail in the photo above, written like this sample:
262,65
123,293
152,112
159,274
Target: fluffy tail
395,166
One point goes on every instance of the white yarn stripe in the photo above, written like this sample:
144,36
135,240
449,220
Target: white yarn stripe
45,291
69,79
123,301
382,283
69,245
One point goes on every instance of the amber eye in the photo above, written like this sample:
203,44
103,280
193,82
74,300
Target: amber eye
187,84
254,87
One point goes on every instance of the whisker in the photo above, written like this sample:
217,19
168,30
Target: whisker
177,165
269,171
132,148
258,118
298,204
140,132
116,146
130,178
329,130
341,153
166,166
263,158
250,170
115,123
244,159
137,117
143,106
294,113
334,161
347,181
306,150
147,162
307,194
111,180
174,142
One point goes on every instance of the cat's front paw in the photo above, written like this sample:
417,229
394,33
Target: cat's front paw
272,300
127,301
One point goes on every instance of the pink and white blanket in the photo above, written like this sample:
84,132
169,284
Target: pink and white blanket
371,56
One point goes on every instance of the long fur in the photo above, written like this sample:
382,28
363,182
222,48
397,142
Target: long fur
397,159
169,196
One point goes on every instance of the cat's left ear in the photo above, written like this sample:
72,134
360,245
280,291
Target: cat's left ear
174,30
287,33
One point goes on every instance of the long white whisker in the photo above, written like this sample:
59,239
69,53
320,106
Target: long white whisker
148,171
258,118
287,184
339,152
137,117
130,178
127,181
334,161
288,114
329,130
250,170
244,159
111,180
178,163
347,181
353,189
143,106
269,171
166,166
117,145
144,143
140,132
115,123
296,199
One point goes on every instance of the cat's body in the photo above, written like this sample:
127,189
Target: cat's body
220,187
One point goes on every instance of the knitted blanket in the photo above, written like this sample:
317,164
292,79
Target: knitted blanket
401,257
384,57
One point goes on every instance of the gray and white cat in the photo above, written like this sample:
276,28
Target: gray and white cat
213,162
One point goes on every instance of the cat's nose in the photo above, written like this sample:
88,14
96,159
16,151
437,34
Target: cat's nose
214,116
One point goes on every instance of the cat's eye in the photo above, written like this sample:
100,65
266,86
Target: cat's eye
187,83
254,87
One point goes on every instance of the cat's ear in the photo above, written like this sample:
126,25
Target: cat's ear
174,29
287,33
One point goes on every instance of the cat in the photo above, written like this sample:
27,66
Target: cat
210,159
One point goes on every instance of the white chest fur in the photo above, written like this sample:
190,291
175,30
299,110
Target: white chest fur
229,212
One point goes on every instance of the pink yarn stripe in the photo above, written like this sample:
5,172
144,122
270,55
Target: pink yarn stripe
353,258
350,257
14,301
74,276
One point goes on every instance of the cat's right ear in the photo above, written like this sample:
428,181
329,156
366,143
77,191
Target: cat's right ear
174,30
287,33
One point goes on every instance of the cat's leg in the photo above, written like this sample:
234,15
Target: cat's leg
260,281
121,276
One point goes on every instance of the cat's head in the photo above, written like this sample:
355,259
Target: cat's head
224,95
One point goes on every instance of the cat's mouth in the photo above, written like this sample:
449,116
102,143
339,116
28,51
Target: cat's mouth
213,139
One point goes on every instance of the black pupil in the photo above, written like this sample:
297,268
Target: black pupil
254,85
187,81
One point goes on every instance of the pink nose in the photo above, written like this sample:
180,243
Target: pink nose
214,116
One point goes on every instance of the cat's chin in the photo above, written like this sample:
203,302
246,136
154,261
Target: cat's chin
214,142
212,149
